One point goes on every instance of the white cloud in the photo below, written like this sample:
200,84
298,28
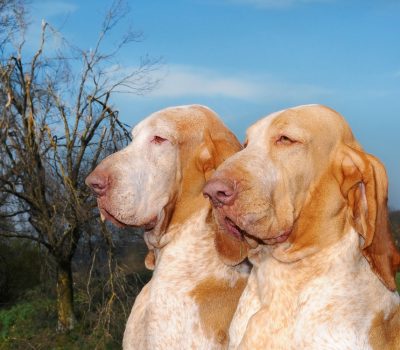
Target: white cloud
47,9
188,81
276,4
196,81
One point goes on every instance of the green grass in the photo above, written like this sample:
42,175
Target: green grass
31,324
21,324
30,320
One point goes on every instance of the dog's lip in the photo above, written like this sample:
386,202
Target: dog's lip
234,229
280,238
241,234
104,213
151,224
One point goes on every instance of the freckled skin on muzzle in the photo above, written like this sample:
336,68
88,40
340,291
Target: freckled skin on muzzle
139,185
122,181
244,207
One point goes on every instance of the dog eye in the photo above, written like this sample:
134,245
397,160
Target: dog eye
158,140
285,140
245,144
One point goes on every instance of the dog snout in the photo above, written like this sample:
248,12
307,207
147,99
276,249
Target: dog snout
220,192
98,181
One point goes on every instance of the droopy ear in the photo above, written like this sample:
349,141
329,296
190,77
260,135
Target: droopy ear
231,250
205,160
214,150
365,187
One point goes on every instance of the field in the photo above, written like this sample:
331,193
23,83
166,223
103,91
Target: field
30,321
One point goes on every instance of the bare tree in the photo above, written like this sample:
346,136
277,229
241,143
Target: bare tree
56,122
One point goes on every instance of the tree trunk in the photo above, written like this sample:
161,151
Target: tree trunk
65,297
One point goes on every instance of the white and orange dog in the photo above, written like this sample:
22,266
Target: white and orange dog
156,183
310,206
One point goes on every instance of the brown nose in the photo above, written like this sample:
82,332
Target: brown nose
98,182
220,192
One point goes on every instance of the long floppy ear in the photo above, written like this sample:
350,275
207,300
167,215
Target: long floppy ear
365,187
206,159
214,150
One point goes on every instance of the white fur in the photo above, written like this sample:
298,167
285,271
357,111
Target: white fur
326,313
143,165
165,316
249,304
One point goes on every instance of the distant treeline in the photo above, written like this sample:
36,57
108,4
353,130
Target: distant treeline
394,218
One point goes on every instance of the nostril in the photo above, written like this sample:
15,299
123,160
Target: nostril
220,192
98,186
98,182
224,194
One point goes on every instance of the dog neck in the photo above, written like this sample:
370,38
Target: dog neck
187,202
191,243
339,259
190,272
185,212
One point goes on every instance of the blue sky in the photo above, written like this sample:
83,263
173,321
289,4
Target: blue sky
248,58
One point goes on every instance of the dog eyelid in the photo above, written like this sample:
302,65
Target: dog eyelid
285,140
158,140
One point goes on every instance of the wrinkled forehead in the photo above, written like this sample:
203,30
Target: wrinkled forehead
303,123
259,129
174,122
155,124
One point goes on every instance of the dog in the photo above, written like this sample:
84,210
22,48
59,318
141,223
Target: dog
310,208
156,183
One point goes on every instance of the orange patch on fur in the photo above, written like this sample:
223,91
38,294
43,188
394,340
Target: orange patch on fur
217,302
385,334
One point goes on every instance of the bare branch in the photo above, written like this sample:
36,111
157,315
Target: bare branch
13,214
25,236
